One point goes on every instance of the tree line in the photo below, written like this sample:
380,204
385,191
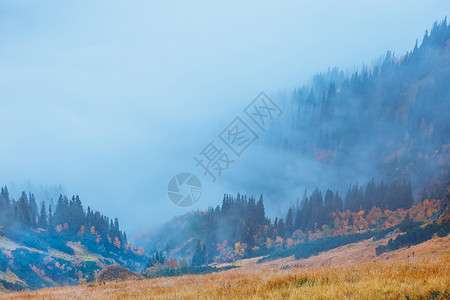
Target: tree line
67,220
240,228
345,117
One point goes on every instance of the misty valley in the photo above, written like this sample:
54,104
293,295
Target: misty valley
347,195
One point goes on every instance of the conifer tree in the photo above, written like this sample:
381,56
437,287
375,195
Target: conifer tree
199,258
43,216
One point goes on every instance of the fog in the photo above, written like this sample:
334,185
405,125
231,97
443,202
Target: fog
111,99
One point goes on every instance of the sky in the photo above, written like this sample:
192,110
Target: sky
110,99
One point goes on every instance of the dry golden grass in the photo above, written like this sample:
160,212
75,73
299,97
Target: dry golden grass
395,278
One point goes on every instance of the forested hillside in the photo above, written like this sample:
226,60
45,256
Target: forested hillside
45,246
388,121
239,228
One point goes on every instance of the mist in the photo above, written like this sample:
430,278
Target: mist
110,100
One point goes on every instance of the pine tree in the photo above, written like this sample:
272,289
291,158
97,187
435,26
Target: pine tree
33,209
23,210
328,207
370,195
298,219
275,228
162,258
51,225
328,202
308,218
316,202
289,222
61,212
259,212
408,199
43,216
281,228
337,202
199,258
354,198
5,203
77,216
125,240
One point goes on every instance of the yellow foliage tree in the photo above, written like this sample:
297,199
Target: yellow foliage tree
239,249
116,242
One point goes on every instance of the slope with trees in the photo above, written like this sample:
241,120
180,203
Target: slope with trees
45,246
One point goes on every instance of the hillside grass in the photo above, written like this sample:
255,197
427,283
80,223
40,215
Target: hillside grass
424,276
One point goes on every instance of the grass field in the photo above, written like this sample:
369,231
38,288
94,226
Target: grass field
351,271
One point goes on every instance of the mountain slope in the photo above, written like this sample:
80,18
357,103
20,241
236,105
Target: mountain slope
388,121
67,247
350,275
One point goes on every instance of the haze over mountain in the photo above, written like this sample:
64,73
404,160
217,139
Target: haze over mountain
388,121
111,100
98,114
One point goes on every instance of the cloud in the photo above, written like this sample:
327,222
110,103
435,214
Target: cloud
111,99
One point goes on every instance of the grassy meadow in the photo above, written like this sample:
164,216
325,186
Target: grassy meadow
400,276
